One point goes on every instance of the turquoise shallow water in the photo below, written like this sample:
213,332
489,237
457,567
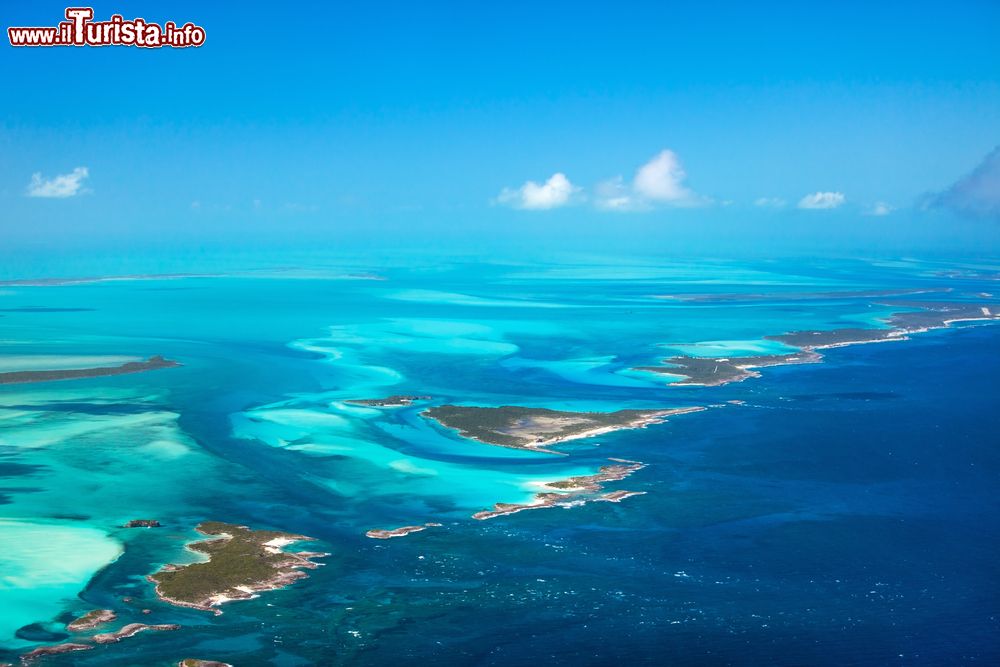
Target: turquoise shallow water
254,429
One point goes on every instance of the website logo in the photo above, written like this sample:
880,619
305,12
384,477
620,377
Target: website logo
80,29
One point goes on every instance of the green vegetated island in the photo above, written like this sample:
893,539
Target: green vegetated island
23,377
919,317
241,562
536,429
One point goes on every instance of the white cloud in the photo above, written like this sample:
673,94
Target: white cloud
880,208
658,181
61,186
822,200
770,202
555,192
662,179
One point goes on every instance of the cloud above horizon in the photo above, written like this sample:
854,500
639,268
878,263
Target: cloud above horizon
658,181
662,179
58,187
822,200
555,192
977,194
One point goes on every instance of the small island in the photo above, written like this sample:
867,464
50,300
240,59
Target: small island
536,428
387,533
194,662
131,630
573,491
25,377
57,649
242,562
91,620
387,402
142,523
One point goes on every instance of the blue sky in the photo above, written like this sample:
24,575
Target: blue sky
361,124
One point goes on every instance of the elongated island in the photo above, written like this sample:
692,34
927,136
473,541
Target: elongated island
573,491
25,377
396,401
535,429
917,317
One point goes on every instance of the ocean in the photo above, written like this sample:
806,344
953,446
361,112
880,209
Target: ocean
843,512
